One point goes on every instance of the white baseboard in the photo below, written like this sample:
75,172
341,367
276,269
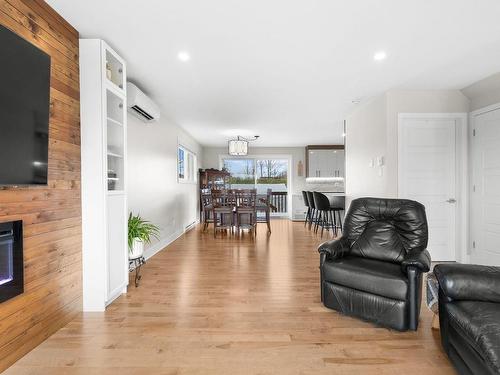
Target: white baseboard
116,293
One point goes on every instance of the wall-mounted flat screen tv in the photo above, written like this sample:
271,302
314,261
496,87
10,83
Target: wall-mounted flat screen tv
24,111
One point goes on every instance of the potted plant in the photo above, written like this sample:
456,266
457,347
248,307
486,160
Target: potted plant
140,231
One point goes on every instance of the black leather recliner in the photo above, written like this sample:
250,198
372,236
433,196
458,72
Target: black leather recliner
374,271
469,316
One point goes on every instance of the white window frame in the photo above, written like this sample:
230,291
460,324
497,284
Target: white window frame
190,166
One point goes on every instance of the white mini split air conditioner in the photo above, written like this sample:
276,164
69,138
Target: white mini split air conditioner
140,105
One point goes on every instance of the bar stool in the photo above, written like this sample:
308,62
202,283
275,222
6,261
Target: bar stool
306,203
325,218
337,204
312,215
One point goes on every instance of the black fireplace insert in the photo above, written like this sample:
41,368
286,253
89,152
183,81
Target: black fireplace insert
11,260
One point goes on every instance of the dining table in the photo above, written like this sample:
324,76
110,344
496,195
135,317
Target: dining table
263,205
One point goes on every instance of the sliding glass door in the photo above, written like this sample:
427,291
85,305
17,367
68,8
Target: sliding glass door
261,174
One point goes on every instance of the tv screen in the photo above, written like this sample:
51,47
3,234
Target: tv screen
24,111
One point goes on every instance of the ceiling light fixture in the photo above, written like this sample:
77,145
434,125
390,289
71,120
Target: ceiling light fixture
379,56
183,56
239,146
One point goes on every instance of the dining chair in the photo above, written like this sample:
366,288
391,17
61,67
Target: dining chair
246,208
264,206
206,209
223,203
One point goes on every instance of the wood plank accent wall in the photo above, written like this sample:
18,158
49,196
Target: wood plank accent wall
51,214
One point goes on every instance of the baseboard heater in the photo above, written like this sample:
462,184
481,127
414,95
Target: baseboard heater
190,226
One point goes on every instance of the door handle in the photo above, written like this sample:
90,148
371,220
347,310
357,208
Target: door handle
452,200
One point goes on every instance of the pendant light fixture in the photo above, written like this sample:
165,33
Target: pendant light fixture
239,146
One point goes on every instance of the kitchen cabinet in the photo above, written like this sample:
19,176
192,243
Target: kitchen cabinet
325,161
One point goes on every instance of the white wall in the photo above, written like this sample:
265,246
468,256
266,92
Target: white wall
483,93
372,131
153,190
365,140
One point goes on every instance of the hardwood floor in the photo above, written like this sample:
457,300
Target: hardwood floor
233,306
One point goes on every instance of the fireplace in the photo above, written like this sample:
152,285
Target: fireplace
11,260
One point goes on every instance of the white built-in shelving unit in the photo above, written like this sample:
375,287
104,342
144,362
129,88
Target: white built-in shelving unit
103,115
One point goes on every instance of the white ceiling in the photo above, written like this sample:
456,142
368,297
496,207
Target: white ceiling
288,70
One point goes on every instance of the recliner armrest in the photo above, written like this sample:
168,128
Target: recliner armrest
469,282
419,259
335,248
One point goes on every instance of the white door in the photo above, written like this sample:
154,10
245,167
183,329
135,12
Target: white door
427,174
485,195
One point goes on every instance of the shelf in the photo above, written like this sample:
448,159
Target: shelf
114,155
114,84
116,192
115,122
114,69
113,88
104,125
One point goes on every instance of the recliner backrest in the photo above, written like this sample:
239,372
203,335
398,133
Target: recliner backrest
385,229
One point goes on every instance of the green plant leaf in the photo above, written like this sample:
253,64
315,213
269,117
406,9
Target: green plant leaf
141,229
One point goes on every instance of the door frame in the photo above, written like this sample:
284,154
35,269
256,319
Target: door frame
287,157
472,149
461,173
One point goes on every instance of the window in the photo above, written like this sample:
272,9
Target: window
261,174
186,165
242,173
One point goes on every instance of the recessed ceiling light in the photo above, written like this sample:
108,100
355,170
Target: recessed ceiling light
379,56
183,56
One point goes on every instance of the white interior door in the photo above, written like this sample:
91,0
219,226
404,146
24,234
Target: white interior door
427,174
485,196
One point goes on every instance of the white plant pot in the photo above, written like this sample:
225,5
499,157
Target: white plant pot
137,249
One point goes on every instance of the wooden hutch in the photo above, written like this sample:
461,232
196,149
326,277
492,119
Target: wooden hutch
214,179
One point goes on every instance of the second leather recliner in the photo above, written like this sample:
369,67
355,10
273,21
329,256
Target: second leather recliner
469,316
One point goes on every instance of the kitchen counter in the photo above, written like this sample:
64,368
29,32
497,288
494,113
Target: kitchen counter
299,209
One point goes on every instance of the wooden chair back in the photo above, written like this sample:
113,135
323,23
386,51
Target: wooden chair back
206,199
246,198
223,198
